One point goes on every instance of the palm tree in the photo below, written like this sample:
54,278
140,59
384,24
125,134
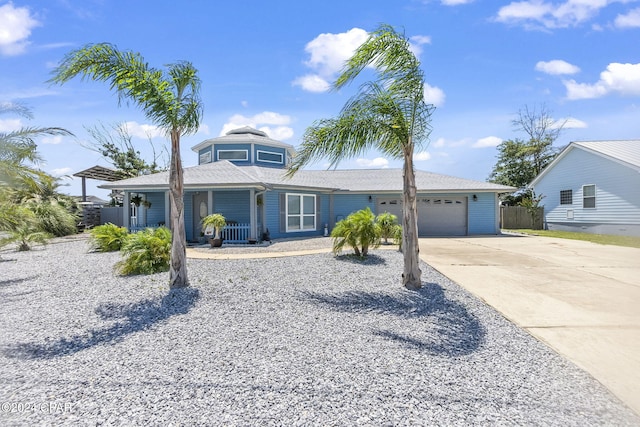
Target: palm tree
389,114
169,99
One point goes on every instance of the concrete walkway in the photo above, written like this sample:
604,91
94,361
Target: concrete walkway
580,298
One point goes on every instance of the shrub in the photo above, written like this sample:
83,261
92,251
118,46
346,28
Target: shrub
20,225
359,230
146,252
55,219
397,236
108,237
387,223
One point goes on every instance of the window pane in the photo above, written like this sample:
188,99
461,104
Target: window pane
293,205
309,222
269,157
232,155
589,190
309,205
566,197
589,202
293,223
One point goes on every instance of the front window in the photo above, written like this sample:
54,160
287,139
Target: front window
588,196
301,212
566,197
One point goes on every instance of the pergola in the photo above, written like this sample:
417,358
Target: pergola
99,173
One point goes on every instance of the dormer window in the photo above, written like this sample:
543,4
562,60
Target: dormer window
270,157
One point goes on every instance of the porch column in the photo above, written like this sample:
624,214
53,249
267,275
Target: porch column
167,210
126,209
210,202
252,215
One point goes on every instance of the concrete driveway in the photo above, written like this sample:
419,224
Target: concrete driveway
580,298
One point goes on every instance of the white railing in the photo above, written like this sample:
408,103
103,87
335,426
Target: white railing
236,233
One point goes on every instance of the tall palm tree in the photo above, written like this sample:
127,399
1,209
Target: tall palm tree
169,99
389,114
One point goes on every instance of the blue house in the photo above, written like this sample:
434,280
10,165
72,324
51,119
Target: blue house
242,176
593,187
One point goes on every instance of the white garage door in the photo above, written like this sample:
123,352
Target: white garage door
437,216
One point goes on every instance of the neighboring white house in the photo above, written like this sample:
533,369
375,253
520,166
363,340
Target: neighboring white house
593,187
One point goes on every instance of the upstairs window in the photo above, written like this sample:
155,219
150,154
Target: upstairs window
270,157
233,155
588,196
205,158
566,197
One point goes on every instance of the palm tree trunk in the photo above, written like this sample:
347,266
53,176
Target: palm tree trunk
178,264
412,276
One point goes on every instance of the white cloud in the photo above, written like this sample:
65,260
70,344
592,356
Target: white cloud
377,163
143,131
571,123
328,53
541,14
557,67
61,171
617,78
421,156
630,20
261,121
489,141
440,142
53,140
434,95
416,42
10,125
16,24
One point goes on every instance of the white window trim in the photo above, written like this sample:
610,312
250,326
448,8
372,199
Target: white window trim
270,161
246,154
595,194
301,214
205,157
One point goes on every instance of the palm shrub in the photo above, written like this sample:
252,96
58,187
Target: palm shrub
397,236
359,230
146,252
387,223
54,218
108,237
24,229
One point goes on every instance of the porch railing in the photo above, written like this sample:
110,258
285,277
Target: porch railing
236,233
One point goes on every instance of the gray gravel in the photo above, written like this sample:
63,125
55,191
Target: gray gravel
309,340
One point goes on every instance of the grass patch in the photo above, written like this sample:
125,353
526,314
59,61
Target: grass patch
603,239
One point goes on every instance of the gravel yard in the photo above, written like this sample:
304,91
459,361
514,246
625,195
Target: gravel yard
307,340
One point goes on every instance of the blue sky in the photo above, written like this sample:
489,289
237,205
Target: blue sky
268,64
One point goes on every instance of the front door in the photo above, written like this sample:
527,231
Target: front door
200,210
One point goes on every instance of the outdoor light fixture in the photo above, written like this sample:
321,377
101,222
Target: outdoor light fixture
475,198
369,198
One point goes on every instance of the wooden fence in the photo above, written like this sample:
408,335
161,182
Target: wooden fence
513,217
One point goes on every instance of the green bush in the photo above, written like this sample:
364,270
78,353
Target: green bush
359,230
108,237
388,223
146,252
55,219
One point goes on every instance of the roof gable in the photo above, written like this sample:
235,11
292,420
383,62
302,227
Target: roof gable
624,152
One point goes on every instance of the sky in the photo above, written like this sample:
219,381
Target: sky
269,65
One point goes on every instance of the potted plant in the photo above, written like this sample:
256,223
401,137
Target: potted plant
218,222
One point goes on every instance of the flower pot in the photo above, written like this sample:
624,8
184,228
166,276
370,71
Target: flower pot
215,243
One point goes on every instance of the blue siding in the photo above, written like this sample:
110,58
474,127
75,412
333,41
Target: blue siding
155,214
617,190
233,205
482,214
205,150
272,212
345,204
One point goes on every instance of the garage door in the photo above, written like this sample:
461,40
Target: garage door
437,216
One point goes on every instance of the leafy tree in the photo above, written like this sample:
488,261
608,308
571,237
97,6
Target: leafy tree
520,161
115,144
170,99
389,114
358,230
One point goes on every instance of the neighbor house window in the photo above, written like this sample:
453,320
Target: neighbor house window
233,155
269,157
301,212
205,158
588,196
566,197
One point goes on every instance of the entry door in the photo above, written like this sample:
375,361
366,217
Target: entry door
200,210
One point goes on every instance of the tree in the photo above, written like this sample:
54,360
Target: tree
116,146
520,161
389,114
170,99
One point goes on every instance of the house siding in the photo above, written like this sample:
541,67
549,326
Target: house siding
272,213
155,214
617,209
345,204
234,205
481,214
